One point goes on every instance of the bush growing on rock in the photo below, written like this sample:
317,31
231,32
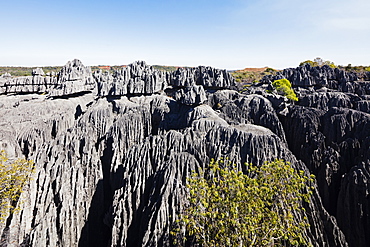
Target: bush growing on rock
13,177
318,62
271,70
285,87
229,208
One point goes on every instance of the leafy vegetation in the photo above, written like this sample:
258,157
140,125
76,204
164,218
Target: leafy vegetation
318,62
13,177
261,208
49,69
248,76
270,70
27,71
357,69
16,71
285,87
165,68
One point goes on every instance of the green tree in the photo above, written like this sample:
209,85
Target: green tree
318,62
313,64
13,176
270,70
261,208
285,87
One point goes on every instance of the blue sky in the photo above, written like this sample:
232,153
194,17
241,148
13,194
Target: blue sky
230,34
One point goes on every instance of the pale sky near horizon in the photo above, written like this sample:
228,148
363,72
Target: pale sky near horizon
230,34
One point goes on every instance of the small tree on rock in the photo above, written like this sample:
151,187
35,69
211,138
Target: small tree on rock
284,87
261,208
318,62
13,176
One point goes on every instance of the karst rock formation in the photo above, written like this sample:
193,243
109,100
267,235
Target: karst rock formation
113,150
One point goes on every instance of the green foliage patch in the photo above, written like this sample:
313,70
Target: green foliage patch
251,76
27,71
229,208
318,62
13,177
285,87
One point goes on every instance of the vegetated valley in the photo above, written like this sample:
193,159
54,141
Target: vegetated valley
113,148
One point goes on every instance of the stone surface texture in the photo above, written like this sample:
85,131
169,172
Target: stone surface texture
113,150
329,130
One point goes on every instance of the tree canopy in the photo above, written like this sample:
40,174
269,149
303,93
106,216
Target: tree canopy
318,62
229,208
13,176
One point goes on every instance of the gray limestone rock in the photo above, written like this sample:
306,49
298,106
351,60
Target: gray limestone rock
73,78
328,129
237,108
353,205
363,105
193,95
306,76
329,143
38,71
113,151
135,79
209,78
324,101
183,77
5,75
113,171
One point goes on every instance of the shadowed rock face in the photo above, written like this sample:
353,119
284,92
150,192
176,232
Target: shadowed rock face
329,130
306,76
113,150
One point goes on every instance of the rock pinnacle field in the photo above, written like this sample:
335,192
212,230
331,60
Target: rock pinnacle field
113,148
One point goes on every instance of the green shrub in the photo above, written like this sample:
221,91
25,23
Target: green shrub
13,177
285,87
311,63
261,208
318,62
270,70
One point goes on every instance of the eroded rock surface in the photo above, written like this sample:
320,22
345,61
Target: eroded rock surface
135,79
329,130
113,150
